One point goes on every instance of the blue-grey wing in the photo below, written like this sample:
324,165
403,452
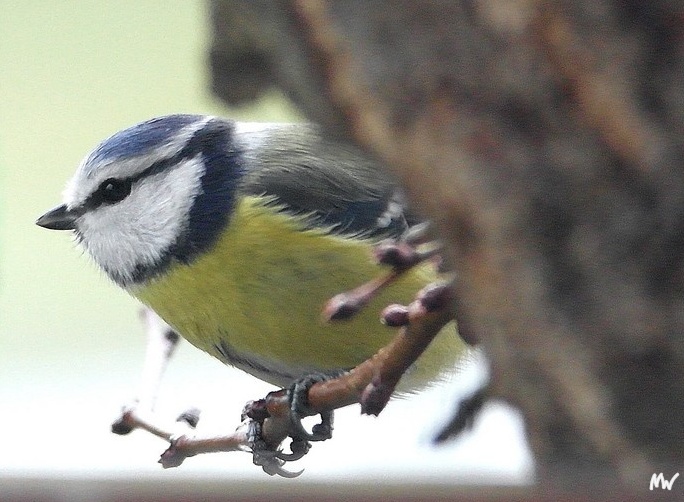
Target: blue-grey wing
331,182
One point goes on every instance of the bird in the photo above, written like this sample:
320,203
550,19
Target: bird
237,233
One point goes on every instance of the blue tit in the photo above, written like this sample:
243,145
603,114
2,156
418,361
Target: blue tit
237,234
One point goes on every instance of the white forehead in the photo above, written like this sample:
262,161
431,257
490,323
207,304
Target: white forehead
118,158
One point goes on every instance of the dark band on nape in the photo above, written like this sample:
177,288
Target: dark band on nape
223,168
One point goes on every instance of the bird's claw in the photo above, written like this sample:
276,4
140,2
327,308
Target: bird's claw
272,460
299,408
319,432
298,447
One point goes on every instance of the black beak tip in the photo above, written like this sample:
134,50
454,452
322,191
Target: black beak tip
59,218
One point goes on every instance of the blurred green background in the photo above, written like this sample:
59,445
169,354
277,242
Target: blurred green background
71,346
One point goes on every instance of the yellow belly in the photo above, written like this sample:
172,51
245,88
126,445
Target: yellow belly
255,300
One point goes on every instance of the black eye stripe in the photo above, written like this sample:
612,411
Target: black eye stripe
193,148
113,190
110,191
121,187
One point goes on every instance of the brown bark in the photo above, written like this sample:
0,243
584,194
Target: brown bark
546,142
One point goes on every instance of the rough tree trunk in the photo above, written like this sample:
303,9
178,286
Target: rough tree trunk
545,140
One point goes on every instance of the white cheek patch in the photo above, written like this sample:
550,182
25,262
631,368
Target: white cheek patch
138,230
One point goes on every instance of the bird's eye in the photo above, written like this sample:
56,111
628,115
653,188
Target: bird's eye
113,190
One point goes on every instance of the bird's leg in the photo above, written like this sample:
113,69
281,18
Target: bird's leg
298,394
162,341
270,424
270,455
183,440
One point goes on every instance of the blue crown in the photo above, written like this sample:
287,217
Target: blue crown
141,138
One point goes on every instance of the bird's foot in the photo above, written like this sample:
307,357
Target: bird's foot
298,395
268,420
271,458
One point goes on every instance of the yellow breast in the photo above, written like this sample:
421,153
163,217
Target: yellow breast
255,300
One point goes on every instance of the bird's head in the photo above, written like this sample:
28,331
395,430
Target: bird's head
153,193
